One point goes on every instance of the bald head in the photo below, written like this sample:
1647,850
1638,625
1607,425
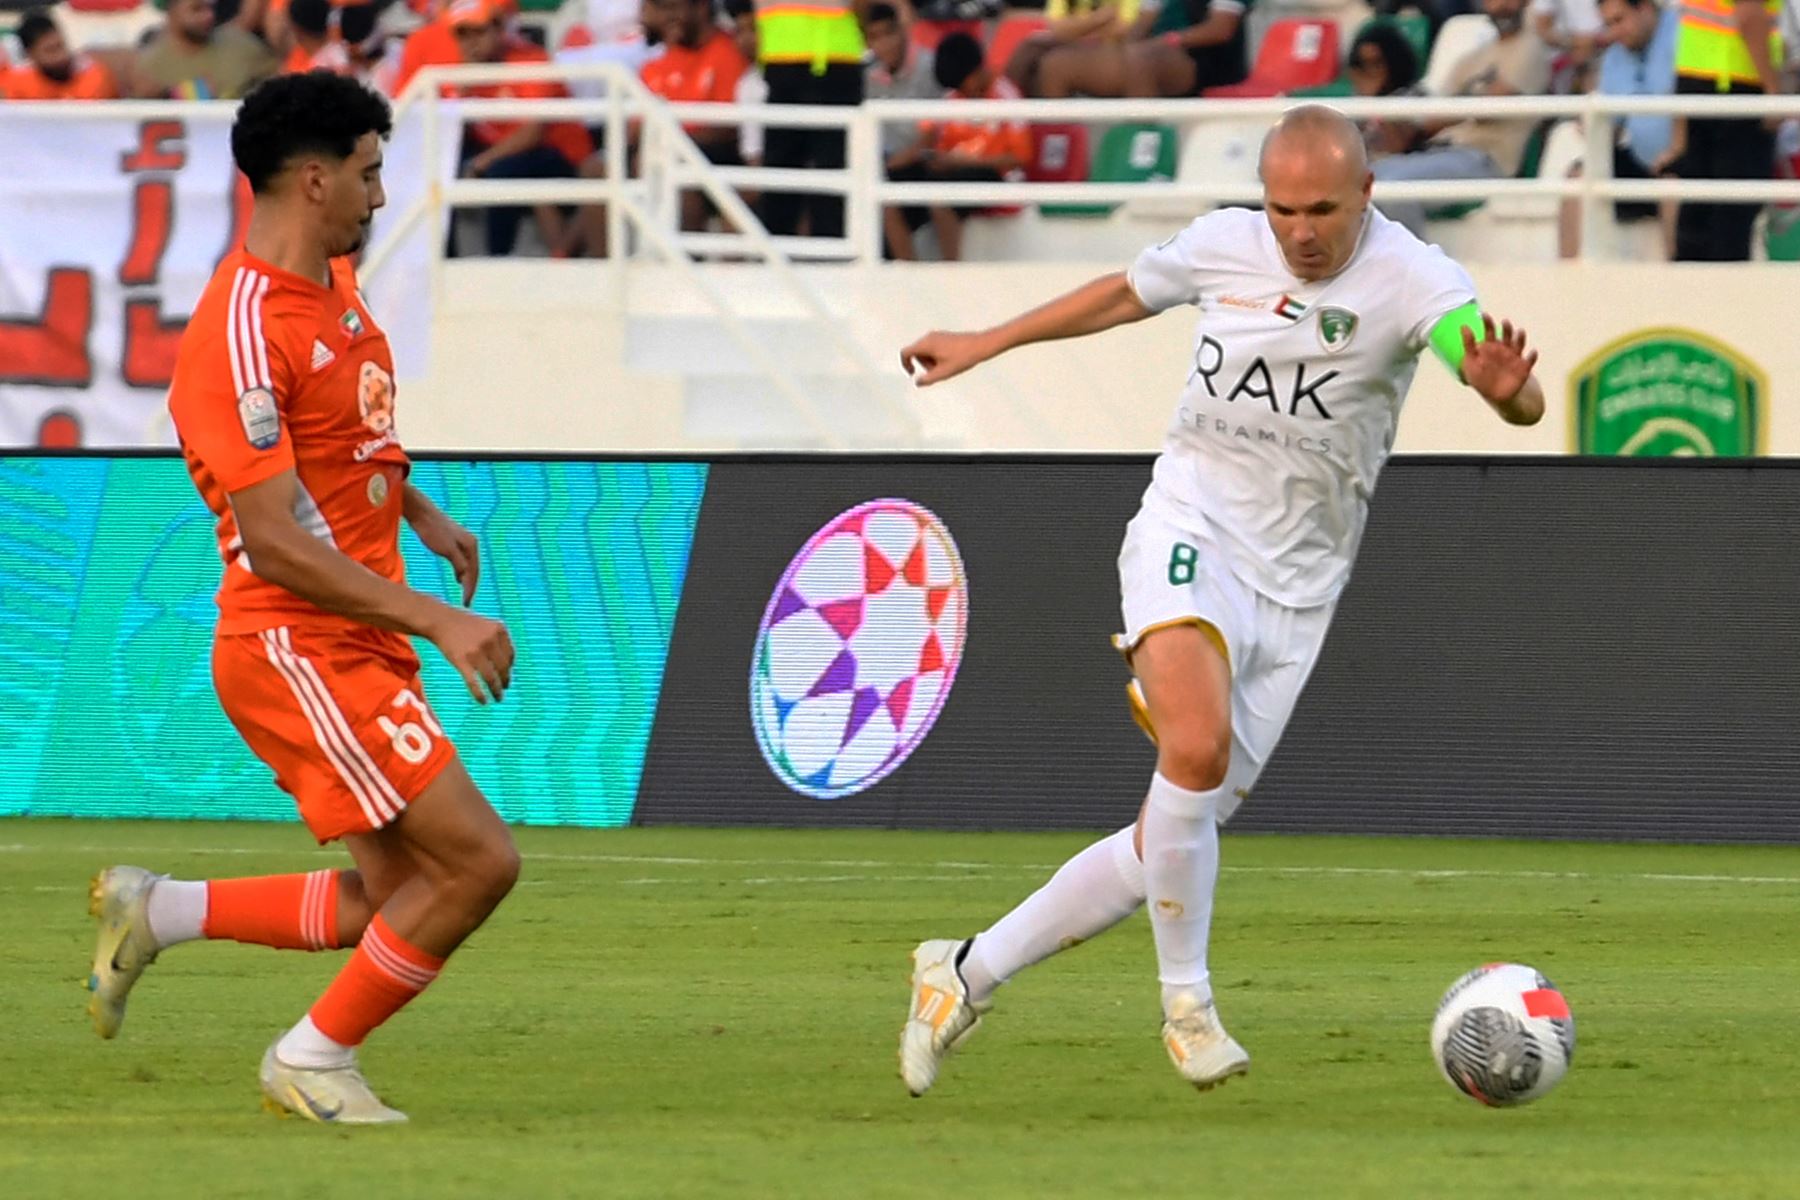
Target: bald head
1320,138
1316,188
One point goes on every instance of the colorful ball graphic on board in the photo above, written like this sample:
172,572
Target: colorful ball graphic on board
858,648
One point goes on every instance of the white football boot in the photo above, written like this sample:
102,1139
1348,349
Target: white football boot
331,1095
120,898
941,1016
1202,1051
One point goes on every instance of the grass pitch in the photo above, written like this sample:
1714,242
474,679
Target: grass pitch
689,1013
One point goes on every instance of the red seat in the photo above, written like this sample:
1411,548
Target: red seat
1011,32
927,34
104,6
1295,54
1060,154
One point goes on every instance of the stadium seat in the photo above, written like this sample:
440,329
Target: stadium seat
1061,154
1564,146
927,34
1012,30
1134,153
1325,91
1459,36
103,6
1294,54
1222,151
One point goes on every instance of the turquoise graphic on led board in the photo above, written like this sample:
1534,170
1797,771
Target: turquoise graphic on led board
107,573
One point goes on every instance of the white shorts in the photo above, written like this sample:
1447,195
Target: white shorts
1173,576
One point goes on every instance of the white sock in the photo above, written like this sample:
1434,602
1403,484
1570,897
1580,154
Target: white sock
1092,892
177,911
304,1046
1181,865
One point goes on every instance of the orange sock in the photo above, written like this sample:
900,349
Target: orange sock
381,976
288,912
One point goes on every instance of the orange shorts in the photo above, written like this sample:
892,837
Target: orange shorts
340,717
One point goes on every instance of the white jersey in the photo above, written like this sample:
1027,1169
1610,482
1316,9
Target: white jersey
1294,391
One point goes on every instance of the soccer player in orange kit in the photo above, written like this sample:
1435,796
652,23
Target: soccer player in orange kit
283,398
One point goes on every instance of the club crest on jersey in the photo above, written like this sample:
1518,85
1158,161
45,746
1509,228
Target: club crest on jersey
1290,308
262,420
1336,327
351,322
375,397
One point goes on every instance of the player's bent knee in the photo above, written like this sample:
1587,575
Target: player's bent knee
489,876
1194,757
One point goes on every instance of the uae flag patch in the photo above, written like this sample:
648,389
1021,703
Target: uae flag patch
1290,308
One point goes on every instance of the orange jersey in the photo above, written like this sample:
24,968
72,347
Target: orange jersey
432,45
91,81
278,373
987,140
708,72
567,138
330,56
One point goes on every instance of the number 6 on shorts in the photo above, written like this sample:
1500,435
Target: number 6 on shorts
411,742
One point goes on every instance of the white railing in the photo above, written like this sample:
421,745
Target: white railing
866,191
646,206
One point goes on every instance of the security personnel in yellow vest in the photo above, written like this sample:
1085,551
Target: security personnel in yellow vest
1724,47
812,53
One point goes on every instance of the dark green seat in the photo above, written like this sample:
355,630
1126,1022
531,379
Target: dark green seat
1139,152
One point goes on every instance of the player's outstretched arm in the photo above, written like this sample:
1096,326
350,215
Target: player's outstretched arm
286,555
1099,304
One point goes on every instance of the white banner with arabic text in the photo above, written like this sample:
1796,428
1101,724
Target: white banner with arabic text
110,227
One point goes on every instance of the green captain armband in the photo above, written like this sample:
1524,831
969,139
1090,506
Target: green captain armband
1446,335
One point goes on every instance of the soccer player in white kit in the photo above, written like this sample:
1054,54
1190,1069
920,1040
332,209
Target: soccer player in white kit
1313,314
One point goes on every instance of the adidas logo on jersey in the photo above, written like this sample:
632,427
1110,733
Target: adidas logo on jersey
322,356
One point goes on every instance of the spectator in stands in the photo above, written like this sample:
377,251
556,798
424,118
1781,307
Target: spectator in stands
1188,46
1382,63
265,19
1515,63
701,63
617,31
50,71
1724,47
194,57
972,151
1638,61
899,69
431,45
374,58
1572,30
812,53
752,88
513,149
1079,22
314,48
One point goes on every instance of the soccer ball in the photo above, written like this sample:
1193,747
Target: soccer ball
858,648
1503,1035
